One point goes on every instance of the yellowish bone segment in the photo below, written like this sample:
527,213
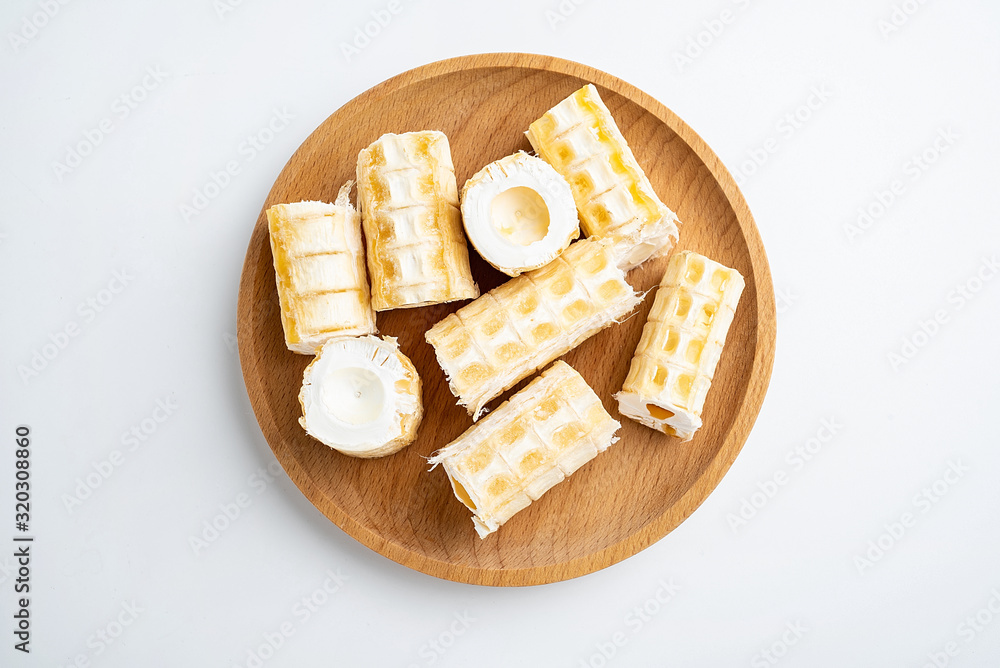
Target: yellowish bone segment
417,253
319,269
490,344
580,139
682,341
533,441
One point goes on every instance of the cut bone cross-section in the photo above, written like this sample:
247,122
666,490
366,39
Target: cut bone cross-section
361,396
519,213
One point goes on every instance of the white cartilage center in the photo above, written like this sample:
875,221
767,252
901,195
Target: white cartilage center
519,213
361,396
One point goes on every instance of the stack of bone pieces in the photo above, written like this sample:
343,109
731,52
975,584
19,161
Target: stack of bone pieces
522,214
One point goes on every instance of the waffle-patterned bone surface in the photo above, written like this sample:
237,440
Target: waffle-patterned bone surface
409,203
673,365
533,441
580,138
319,268
489,345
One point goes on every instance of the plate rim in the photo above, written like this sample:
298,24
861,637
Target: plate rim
710,476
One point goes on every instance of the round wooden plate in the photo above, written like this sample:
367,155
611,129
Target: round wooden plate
624,500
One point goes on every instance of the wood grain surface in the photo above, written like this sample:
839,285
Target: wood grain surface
628,497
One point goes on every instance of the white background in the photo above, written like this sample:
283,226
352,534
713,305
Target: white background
818,555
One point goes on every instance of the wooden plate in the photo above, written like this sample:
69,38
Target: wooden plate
624,500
